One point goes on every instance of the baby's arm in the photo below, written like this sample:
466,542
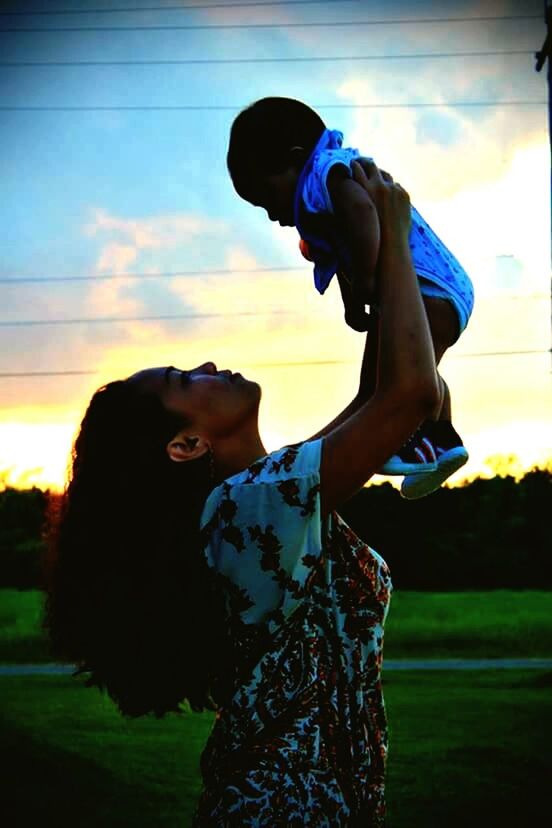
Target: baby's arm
358,221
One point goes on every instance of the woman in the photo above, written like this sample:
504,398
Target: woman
189,565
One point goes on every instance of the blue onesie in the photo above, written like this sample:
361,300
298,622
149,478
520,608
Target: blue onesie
439,272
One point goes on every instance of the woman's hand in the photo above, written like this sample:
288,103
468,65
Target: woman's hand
390,200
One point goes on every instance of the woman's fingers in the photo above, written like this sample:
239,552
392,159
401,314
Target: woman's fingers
391,201
371,177
370,167
371,170
367,167
400,188
362,173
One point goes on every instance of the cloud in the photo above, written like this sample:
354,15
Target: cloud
408,142
116,258
150,233
248,287
505,216
143,245
481,184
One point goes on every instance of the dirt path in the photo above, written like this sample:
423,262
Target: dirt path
390,664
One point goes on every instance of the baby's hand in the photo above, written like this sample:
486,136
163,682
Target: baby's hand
357,319
355,314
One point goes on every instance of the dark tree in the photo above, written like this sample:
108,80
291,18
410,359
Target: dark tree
488,534
21,545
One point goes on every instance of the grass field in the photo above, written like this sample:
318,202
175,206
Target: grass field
420,624
467,748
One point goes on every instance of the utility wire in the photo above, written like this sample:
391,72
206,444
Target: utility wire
113,320
15,281
169,275
210,61
201,7
297,364
224,108
95,320
331,24
18,374
351,361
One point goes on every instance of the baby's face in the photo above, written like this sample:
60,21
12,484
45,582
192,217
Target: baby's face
276,194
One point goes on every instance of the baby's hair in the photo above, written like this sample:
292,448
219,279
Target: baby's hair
263,134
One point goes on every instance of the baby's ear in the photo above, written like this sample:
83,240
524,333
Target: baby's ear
297,157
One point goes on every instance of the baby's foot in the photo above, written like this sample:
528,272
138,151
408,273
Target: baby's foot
450,453
416,457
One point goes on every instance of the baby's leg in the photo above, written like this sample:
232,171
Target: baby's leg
444,326
438,429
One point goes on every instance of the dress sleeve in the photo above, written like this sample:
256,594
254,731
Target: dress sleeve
262,533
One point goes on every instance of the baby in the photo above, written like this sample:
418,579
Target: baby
282,157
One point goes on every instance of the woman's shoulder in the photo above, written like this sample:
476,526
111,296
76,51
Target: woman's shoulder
295,460
291,462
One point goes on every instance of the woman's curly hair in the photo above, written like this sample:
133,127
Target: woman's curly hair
129,596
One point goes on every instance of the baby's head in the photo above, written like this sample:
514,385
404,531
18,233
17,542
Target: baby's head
270,141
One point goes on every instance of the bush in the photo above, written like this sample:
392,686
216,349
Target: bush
21,537
489,534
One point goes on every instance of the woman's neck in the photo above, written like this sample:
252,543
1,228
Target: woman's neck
237,453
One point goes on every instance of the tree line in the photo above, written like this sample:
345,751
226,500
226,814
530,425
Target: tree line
487,534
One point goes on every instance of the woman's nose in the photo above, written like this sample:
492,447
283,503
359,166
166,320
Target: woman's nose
206,368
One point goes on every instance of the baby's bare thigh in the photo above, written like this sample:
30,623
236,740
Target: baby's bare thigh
443,322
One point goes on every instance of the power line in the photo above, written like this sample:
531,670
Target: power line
216,61
228,108
351,361
296,364
330,24
27,374
202,7
168,275
109,320
503,353
15,281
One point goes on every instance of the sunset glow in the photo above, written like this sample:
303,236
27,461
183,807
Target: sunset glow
146,193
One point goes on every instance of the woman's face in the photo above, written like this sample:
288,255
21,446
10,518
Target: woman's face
215,402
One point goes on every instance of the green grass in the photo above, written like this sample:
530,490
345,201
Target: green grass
497,624
74,760
21,639
420,624
466,748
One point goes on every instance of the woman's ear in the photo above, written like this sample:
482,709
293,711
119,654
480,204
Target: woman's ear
184,447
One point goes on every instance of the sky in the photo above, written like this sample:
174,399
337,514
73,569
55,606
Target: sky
114,180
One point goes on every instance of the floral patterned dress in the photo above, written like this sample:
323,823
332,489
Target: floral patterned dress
302,740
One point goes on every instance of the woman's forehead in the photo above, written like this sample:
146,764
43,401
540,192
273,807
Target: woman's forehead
152,379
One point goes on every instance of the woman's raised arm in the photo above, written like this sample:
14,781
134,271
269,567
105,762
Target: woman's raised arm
407,387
